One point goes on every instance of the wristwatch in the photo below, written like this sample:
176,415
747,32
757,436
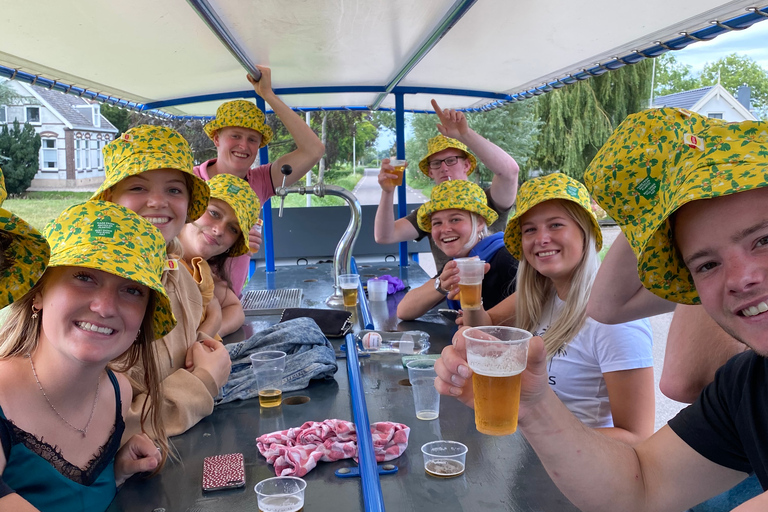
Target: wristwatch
438,288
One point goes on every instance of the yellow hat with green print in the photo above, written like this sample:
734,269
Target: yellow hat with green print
241,114
105,236
658,160
455,195
237,193
441,142
146,148
24,254
552,186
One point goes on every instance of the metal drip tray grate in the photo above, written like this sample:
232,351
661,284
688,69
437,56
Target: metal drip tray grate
270,302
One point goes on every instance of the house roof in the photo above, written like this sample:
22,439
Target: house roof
685,99
65,106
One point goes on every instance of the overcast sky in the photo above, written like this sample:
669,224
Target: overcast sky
751,42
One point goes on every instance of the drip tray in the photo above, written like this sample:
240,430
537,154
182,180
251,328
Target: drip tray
270,302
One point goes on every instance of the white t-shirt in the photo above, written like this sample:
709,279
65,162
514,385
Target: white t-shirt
576,370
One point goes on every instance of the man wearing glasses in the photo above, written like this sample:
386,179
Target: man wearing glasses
449,157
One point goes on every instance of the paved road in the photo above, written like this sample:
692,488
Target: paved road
369,192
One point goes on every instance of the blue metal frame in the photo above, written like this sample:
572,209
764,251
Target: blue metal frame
373,500
400,148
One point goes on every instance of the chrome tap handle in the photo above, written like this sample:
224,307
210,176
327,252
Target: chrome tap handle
286,170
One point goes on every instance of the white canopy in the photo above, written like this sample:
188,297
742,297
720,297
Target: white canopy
341,53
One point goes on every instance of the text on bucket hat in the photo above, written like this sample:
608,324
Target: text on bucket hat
458,195
237,193
105,236
545,188
147,148
440,143
658,160
242,114
24,254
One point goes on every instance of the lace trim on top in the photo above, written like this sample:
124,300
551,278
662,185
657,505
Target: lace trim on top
93,469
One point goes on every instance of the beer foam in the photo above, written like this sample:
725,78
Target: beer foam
501,364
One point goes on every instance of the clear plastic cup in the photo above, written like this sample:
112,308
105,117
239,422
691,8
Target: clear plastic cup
281,494
471,272
377,289
426,399
348,284
444,459
399,169
268,368
497,356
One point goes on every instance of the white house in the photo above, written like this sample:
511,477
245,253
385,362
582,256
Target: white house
72,131
712,101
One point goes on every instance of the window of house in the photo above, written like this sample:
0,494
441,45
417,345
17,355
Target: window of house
715,115
96,116
50,155
95,154
101,155
3,114
86,155
33,115
79,153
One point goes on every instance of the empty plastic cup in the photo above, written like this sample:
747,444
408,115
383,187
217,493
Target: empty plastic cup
377,289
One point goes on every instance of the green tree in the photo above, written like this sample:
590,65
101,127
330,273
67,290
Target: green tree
19,156
7,95
119,117
734,70
673,76
578,119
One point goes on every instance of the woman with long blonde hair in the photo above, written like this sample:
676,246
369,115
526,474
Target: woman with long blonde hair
603,373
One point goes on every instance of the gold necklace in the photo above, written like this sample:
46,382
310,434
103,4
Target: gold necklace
83,431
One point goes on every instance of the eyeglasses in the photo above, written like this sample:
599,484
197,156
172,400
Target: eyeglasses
450,161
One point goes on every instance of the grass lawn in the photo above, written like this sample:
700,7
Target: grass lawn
39,208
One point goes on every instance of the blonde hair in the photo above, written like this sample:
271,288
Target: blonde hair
535,291
20,333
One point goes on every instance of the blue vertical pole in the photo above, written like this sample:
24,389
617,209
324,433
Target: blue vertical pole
400,145
269,246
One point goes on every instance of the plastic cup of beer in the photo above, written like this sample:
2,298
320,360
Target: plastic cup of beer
348,284
268,368
444,459
281,494
399,169
497,356
258,227
426,399
471,272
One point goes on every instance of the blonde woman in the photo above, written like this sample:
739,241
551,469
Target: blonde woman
97,308
602,373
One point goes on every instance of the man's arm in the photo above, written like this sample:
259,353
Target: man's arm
505,170
601,474
387,230
696,348
618,294
309,150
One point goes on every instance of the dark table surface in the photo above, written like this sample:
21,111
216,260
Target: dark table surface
502,473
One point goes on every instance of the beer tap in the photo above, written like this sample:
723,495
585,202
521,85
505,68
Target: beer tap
286,170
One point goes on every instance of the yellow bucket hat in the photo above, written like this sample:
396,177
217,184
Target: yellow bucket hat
658,160
458,195
441,142
25,253
237,193
146,148
243,114
105,236
552,186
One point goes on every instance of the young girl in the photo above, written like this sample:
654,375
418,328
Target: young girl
149,170
457,216
97,308
603,373
222,233
238,131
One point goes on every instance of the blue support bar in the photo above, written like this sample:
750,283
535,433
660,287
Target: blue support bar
400,145
365,310
373,500
269,239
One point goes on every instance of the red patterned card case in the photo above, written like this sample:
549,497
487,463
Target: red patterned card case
223,472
